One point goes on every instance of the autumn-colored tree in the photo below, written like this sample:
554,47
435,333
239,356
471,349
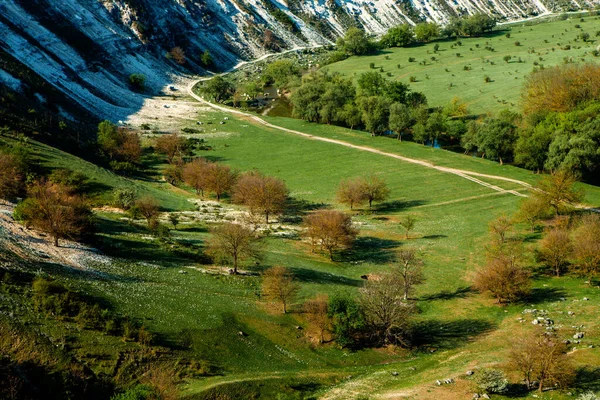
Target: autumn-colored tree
316,312
586,246
531,211
374,189
219,179
194,174
503,275
119,143
500,228
130,147
385,310
173,173
147,207
409,268
350,192
555,249
232,244
278,285
541,358
173,146
558,191
11,176
561,88
178,55
330,229
408,223
265,195
54,209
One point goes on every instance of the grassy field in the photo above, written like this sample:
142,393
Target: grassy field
458,69
166,285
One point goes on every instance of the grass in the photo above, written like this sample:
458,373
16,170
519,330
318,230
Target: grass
544,44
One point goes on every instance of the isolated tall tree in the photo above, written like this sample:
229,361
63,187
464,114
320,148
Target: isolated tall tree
586,246
263,194
194,174
219,179
409,268
386,312
232,244
350,192
147,207
541,358
330,230
278,285
532,210
11,176
556,249
173,146
558,191
374,189
317,316
54,209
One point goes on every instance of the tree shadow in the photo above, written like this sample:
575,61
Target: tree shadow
398,205
311,276
459,293
588,378
371,249
449,334
545,294
296,209
434,237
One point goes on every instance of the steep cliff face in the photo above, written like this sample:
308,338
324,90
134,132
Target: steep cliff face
88,48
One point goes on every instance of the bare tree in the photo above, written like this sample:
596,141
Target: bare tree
500,228
178,55
194,174
409,268
532,210
232,244
330,230
586,243
503,275
316,311
219,179
266,195
385,310
374,189
147,207
53,208
555,249
173,146
541,358
558,191
278,284
408,223
350,192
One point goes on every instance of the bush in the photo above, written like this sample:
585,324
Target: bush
491,381
139,392
124,198
372,65
137,81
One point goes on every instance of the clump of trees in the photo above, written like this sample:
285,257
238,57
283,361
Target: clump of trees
362,190
263,194
12,176
122,146
356,42
233,244
174,146
217,89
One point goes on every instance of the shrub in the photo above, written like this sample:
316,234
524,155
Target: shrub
491,381
411,59
517,43
412,79
124,198
139,392
507,35
372,65
137,81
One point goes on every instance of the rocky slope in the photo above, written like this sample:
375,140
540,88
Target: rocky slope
87,48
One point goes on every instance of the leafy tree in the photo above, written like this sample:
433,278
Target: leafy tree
355,42
147,207
409,268
586,246
396,91
118,143
400,118
374,189
219,179
266,195
53,208
280,73
278,284
173,146
233,244
124,198
206,59
558,191
137,81
408,223
531,210
317,315
350,192
399,36
387,314
375,113
500,227
495,139
371,84
347,320
425,31
11,176
217,89
329,229
556,249
350,115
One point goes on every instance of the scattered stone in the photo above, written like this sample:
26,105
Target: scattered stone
181,272
394,373
476,395
366,277
448,381
438,382
412,368
578,335
585,299
535,322
567,341
241,333
470,372
571,313
298,327
485,396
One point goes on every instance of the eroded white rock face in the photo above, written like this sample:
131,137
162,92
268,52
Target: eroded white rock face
88,48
